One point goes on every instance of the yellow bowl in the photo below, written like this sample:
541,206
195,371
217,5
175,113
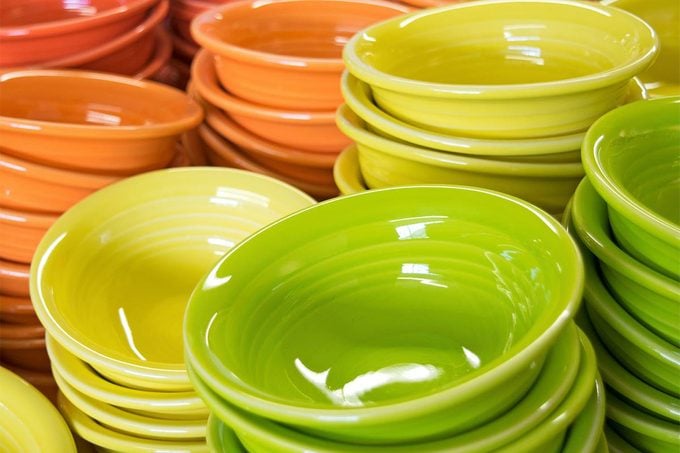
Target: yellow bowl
346,172
663,77
503,68
386,163
111,278
28,421
79,375
110,440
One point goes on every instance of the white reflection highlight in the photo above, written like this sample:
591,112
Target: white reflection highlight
472,358
128,334
102,118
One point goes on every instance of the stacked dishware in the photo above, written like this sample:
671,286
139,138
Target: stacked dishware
269,75
125,37
182,12
66,134
495,94
110,281
626,215
431,318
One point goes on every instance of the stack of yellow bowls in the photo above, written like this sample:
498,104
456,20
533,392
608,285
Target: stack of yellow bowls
110,281
627,217
494,94
269,76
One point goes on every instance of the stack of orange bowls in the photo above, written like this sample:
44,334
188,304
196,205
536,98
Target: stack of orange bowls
66,134
119,36
182,12
269,75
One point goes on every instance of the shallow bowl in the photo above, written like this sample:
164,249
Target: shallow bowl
346,172
17,310
14,279
21,232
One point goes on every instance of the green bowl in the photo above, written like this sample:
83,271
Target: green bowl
585,433
616,443
651,297
399,320
544,406
221,438
640,429
631,156
388,163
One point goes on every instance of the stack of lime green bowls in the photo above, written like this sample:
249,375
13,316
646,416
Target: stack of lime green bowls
495,94
110,281
627,216
426,318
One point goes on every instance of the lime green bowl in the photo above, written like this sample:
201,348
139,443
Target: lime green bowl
651,297
221,438
111,278
387,163
503,68
398,320
631,156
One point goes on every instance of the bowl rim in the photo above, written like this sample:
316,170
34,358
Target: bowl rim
161,56
9,331
191,117
632,418
42,29
347,173
404,85
295,413
616,196
362,137
297,63
27,219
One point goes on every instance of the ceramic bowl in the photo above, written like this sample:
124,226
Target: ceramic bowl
386,163
616,443
186,50
41,380
585,434
297,43
346,172
20,331
643,431
165,229
28,353
92,121
22,231
221,438
154,68
307,131
663,15
110,440
29,421
17,310
531,68
81,376
25,185
14,279
42,30
129,422
631,157
386,248
652,298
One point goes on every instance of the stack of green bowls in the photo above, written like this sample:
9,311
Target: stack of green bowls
426,318
495,94
627,216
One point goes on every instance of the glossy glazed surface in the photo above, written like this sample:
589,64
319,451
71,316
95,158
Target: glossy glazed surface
166,229
159,66
28,421
14,279
651,297
386,163
529,68
92,121
346,172
631,156
305,130
286,54
17,310
21,232
20,331
387,252
221,438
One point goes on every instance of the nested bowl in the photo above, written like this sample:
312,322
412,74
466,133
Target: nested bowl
17,310
286,54
631,156
385,162
346,172
92,121
400,285
651,297
524,68
111,278
27,353
21,232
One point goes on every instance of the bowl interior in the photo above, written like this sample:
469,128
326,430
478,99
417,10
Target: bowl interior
17,13
395,299
503,43
89,99
114,274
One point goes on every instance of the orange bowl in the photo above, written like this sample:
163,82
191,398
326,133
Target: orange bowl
160,58
308,131
27,353
91,121
20,331
35,31
14,281
25,185
17,310
21,232
185,50
174,73
286,54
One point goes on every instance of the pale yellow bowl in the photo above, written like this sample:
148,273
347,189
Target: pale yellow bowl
503,68
346,172
28,421
386,163
111,278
